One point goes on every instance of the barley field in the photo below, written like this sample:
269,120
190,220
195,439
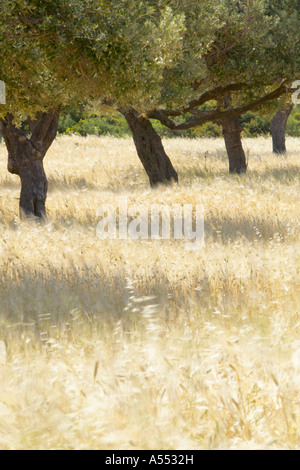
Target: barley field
123,344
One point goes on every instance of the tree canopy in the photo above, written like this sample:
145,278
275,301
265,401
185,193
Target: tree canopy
153,54
54,51
251,60
158,59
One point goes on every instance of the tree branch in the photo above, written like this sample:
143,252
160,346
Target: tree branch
213,94
44,128
215,114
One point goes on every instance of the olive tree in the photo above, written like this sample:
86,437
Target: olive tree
28,120
251,60
55,52
278,127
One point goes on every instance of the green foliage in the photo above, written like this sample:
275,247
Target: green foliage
147,54
293,127
78,121
31,49
293,124
253,124
209,129
255,42
56,51
114,125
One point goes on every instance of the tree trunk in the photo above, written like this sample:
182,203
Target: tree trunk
25,159
278,126
150,149
232,135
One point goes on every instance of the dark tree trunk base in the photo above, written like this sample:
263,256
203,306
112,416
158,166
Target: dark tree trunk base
25,159
34,186
150,149
278,127
232,135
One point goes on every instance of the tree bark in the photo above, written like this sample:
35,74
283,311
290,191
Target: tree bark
232,135
25,159
278,127
150,149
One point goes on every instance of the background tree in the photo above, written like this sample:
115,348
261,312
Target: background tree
278,128
223,52
145,40
150,149
242,62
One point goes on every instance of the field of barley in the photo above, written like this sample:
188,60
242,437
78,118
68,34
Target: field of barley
122,344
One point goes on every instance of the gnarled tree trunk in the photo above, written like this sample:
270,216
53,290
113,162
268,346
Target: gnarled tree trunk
232,135
278,127
150,149
25,159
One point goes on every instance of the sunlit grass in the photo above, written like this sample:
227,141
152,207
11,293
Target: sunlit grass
145,345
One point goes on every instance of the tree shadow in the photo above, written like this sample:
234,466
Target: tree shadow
287,175
72,303
228,229
62,184
12,184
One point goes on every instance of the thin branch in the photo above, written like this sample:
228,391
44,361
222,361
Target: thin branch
210,95
215,114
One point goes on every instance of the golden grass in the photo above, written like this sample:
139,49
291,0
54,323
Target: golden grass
144,345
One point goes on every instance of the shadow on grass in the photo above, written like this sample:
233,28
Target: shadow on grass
128,180
77,304
228,229
134,179
11,184
287,175
62,184
217,229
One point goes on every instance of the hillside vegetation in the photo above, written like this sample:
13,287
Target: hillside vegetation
77,121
